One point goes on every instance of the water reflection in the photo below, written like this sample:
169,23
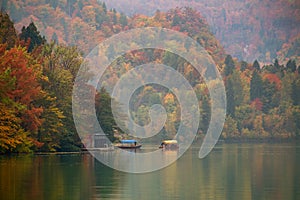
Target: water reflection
254,171
248,171
46,177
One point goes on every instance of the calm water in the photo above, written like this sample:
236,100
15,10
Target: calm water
231,171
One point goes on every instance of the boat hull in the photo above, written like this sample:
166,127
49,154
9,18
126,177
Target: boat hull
129,147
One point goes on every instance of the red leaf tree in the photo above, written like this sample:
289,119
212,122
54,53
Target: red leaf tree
26,89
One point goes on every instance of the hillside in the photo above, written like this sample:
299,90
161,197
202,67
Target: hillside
37,80
85,23
248,29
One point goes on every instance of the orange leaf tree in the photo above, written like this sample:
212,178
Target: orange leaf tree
23,90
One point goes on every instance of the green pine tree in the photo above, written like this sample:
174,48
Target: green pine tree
230,98
229,65
31,33
8,33
291,65
256,65
255,86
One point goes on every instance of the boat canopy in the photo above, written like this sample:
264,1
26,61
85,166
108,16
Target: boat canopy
128,141
169,142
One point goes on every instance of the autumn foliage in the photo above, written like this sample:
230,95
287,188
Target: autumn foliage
20,92
36,84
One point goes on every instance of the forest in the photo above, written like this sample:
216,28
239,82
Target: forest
248,29
37,74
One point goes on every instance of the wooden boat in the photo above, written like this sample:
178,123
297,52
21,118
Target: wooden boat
128,144
169,145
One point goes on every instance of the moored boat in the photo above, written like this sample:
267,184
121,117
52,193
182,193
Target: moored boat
128,144
169,145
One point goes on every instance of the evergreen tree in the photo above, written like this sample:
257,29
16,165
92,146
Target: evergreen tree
296,116
7,31
99,20
256,65
291,65
205,114
31,33
276,64
255,86
123,20
296,92
229,65
176,20
234,92
104,7
230,98
115,19
237,87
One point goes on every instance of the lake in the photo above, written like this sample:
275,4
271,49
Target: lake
230,171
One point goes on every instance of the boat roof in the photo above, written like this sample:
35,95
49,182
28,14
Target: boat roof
128,141
170,141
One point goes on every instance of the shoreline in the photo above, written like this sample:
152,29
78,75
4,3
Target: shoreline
241,140
196,141
261,140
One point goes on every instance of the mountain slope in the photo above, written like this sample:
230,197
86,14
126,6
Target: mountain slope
86,23
248,29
